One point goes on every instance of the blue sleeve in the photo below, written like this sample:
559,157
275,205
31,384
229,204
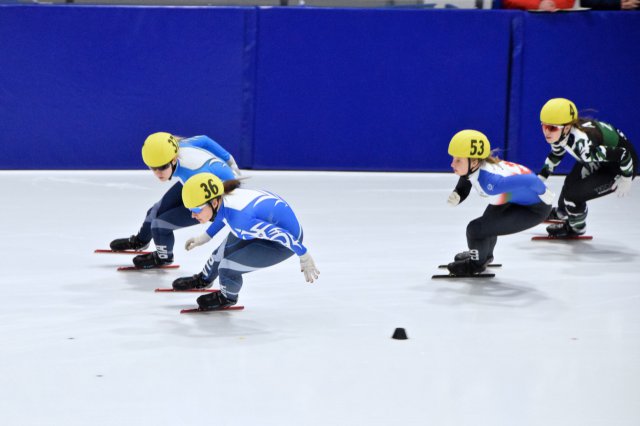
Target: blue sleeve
210,145
497,184
215,226
221,170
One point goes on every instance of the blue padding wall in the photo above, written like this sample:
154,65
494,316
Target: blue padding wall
376,89
591,58
81,87
302,88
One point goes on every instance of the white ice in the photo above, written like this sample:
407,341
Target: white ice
553,339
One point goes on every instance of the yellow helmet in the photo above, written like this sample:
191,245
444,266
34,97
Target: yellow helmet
200,189
159,149
558,111
469,144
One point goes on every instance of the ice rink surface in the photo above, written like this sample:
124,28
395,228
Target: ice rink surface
553,339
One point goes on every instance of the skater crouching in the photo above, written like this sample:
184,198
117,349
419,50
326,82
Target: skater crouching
169,156
518,199
264,232
606,162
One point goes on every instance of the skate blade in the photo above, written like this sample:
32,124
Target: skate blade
550,238
193,290
491,265
203,311
155,268
458,277
121,251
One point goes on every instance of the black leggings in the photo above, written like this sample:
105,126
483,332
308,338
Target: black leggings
577,190
504,219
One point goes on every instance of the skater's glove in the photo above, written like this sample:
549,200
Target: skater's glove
308,267
454,199
234,166
197,241
547,197
622,185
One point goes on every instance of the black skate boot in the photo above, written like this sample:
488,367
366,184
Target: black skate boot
214,302
465,268
131,243
151,260
563,230
467,255
557,214
189,283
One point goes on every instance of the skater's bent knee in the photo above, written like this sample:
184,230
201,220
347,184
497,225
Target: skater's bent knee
474,229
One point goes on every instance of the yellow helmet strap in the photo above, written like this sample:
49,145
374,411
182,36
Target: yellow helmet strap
214,210
174,166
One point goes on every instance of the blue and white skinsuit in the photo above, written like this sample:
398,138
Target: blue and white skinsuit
197,154
515,203
264,231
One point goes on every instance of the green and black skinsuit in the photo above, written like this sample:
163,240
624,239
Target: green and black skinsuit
603,154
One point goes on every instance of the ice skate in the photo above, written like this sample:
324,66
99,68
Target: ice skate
151,260
556,214
214,302
467,255
131,243
465,268
563,230
195,282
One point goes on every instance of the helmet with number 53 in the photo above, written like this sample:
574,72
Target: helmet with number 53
470,144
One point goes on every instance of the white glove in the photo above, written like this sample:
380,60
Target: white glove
197,241
308,267
234,166
622,185
454,199
542,178
547,197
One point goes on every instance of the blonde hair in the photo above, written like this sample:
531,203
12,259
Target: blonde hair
493,157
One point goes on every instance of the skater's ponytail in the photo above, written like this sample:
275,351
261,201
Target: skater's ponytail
493,157
230,185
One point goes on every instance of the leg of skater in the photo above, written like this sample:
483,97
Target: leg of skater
240,257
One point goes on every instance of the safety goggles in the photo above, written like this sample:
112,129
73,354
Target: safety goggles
551,127
161,168
198,209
